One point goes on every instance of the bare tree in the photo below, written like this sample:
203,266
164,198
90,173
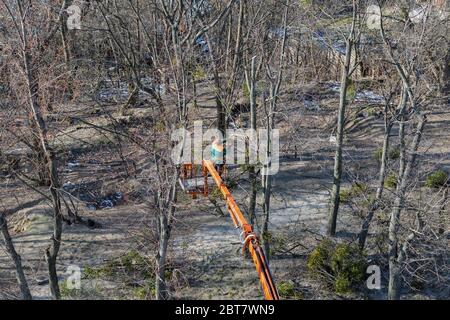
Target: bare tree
20,17
275,79
347,70
165,201
251,84
21,279
413,92
388,124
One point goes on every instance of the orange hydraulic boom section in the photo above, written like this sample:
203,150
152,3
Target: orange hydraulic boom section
250,239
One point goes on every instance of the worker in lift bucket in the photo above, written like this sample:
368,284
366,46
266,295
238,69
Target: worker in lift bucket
217,154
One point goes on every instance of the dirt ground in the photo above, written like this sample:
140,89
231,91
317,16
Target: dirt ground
206,252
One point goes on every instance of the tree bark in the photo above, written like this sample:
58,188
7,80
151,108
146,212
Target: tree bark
375,204
442,215
40,126
348,68
164,235
270,114
64,37
394,287
382,172
251,84
166,210
236,56
20,275
337,175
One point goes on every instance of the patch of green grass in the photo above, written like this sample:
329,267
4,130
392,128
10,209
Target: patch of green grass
267,236
168,273
366,202
341,266
342,285
345,195
132,262
246,90
69,293
286,290
145,292
98,272
231,183
215,194
371,111
305,3
318,260
437,179
356,189
351,91
378,154
199,73
391,181
348,264
381,241
66,292
394,153
278,243
342,22
160,126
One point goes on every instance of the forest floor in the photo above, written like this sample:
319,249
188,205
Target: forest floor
206,260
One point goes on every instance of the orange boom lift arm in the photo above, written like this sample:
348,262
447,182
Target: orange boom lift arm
250,239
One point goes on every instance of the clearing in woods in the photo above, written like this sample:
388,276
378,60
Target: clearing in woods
206,261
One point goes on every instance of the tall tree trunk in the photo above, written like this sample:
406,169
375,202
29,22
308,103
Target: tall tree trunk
267,178
20,275
270,114
442,215
446,77
253,194
405,167
236,57
161,257
221,114
373,207
337,175
43,177
266,209
180,73
251,84
375,204
166,210
265,172
348,68
52,252
394,287
64,36
66,48
229,39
